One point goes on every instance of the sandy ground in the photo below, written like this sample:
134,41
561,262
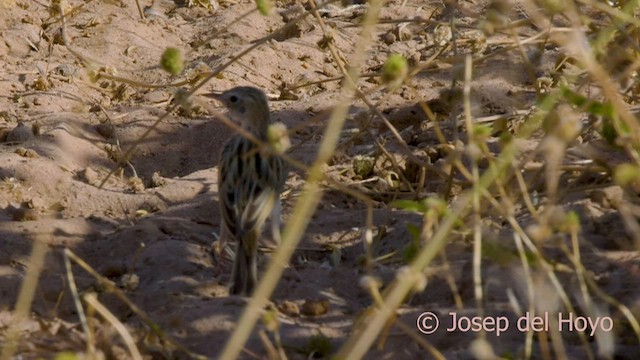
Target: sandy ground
161,227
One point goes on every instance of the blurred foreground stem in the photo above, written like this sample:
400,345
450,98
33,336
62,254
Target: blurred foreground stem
311,195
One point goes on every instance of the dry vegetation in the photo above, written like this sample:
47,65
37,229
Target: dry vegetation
479,157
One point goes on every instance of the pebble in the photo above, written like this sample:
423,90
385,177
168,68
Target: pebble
289,308
19,134
65,70
106,130
389,38
89,176
315,307
157,180
608,197
28,153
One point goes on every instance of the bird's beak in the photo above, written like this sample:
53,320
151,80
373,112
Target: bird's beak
214,95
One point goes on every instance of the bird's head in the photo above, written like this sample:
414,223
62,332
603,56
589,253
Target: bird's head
247,106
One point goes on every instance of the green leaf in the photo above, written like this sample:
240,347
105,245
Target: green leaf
410,205
626,174
608,131
264,6
66,355
415,232
410,251
606,110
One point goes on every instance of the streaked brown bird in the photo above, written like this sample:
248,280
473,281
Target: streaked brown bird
250,181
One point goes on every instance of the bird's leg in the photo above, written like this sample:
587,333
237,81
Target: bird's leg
276,221
219,248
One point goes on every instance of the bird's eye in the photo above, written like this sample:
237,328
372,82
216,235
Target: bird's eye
233,98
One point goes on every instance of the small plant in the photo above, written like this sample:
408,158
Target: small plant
395,70
319,346
264,6
171,61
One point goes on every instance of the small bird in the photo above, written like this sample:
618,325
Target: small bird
250,181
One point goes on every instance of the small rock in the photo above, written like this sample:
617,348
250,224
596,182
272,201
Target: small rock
289,308
157,180
151,12
57,206
608,197
106,130
388,38
34,203
413,58
292,12
315,307
329,70
89,176
28,153
66,70
19,134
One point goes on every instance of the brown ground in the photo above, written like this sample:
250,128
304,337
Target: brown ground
163,231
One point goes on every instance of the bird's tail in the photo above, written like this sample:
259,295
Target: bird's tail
245,270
